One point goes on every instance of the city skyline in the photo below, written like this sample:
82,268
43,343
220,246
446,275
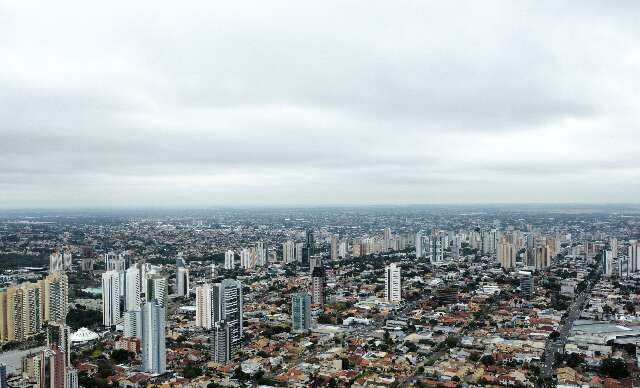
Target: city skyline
289,104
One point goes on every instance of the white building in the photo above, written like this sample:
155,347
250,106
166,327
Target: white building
59,262
133,323
392,283
229,260
110,298
133,285
288,252
221,302
607,262
154,358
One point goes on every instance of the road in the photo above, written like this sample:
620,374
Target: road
554,346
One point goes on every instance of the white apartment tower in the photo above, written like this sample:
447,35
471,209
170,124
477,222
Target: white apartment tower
392,283
154,358
229,260
110,298
133,292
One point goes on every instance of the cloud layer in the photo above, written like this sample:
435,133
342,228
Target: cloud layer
283,102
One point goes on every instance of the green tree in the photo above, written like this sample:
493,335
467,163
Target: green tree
191,372
614,367
122,355
487,359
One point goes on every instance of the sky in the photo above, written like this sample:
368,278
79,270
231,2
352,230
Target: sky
207,103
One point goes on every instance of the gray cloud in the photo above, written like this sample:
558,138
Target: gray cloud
124,104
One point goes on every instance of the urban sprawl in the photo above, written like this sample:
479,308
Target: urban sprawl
362,297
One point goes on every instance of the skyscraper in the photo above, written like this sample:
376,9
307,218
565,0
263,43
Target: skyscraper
318,283
154,359
613,244
133,323
542,256
220,343
204,305
182,276
526,284
386,239
58,338
59,261
56,297
342,249
221,302
248,258
634,255
505,254
607,262
110,298
392,283
299,252
300,312
229,260
437,253
227,305
288,252
3,376
21,311
133,293
261,254
310,248
334,247
156,289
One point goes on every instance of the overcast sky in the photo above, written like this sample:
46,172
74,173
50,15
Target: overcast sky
152,103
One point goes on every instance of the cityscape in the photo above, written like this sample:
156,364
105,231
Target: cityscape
367,194
368,296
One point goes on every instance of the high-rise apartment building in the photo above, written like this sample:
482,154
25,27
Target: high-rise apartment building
154,358
133,292
21,311
3,376
607,262
58,338
248,258
342,249
334,247
221,302
133,323
156,289
542,256
299,252
229,260
55,297
386,239
110,298
182,276
261,254
506,254
392,283
526,284
634,255
318,284
204,305
301,312
220,343
59,261
288,252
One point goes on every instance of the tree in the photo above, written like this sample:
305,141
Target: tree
631,309
452,341
487,359
554,335
191,372
574,359
121,355
614,367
